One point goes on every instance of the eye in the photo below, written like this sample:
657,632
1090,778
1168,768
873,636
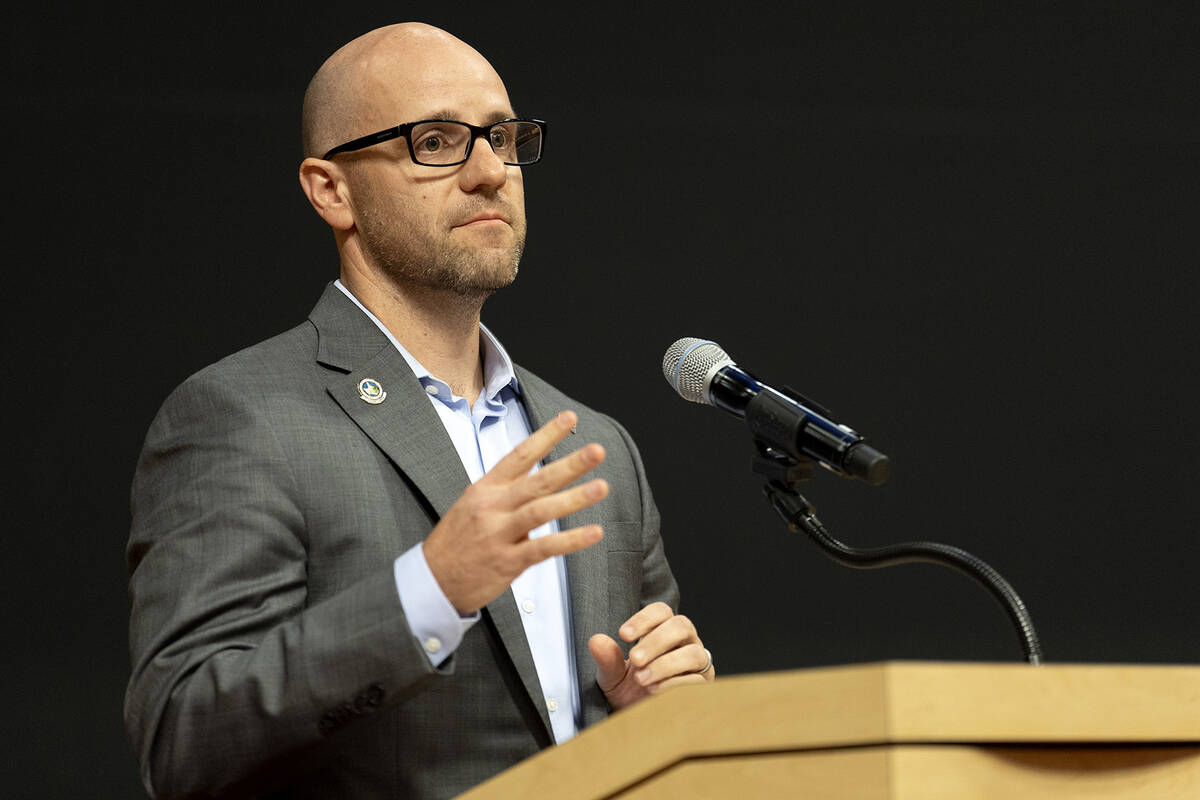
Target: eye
431,143
499,138
439,142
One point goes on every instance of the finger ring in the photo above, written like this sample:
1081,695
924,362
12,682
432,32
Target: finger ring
707,666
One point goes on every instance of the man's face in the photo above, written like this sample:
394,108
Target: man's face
458,228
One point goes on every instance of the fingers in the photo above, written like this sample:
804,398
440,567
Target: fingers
645,621
557,474
560,544
556,506
670,635
683,661
611,666
513,478
668,650
535,447
669,654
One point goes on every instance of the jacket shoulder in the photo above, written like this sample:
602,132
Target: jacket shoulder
292,350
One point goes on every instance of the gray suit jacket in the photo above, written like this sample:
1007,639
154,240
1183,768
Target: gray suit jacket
271,655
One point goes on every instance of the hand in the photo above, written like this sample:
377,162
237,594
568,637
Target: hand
668,653
482,543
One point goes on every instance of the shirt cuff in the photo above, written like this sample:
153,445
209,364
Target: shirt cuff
431,617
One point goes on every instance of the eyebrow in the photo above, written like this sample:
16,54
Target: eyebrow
446,115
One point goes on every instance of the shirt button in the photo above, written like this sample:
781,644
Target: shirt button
431,389
551,704
528,606
433,644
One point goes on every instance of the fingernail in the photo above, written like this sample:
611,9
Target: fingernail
635,655
643,676
627,631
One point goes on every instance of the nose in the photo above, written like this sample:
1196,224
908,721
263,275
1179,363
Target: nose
483,168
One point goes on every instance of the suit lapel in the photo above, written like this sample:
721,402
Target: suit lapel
407,429
403,424
587,570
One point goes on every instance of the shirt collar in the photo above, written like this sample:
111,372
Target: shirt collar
497,366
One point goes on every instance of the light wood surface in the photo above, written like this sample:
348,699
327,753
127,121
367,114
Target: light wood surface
935,772
815,720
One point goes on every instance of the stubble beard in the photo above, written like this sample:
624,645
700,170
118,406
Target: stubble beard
416,258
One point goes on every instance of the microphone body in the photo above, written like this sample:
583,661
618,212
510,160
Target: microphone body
700,371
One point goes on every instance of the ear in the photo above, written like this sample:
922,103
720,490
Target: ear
324,184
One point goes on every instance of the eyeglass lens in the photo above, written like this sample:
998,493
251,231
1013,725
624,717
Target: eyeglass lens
446,142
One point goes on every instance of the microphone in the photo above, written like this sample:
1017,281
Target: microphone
701,372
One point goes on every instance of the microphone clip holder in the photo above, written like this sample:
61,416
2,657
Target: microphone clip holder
780,467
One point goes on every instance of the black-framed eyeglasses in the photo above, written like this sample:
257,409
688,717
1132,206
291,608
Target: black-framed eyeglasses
447,142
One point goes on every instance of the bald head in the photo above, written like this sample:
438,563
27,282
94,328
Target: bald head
358,88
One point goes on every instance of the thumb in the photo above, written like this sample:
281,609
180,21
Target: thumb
610,661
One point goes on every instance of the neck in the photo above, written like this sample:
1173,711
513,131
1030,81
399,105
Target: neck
439,328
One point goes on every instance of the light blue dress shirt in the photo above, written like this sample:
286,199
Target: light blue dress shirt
482,435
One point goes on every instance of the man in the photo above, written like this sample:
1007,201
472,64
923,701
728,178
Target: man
362,564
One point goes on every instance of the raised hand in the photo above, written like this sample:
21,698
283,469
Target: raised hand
482,543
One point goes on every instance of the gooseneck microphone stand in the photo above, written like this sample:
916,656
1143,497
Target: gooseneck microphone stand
784,473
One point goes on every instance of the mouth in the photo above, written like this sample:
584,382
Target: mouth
484,219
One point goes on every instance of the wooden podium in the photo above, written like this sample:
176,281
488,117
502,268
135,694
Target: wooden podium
910,730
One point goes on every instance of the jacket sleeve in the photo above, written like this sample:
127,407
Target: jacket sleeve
235,673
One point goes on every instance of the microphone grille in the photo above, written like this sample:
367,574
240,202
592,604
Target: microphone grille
688,366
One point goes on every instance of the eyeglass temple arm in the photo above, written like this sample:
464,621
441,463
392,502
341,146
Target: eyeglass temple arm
366,141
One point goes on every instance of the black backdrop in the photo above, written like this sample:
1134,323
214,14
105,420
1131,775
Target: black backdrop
972,232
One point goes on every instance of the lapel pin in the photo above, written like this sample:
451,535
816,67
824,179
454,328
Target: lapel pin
573,429
371,392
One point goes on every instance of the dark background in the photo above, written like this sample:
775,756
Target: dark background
971,231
